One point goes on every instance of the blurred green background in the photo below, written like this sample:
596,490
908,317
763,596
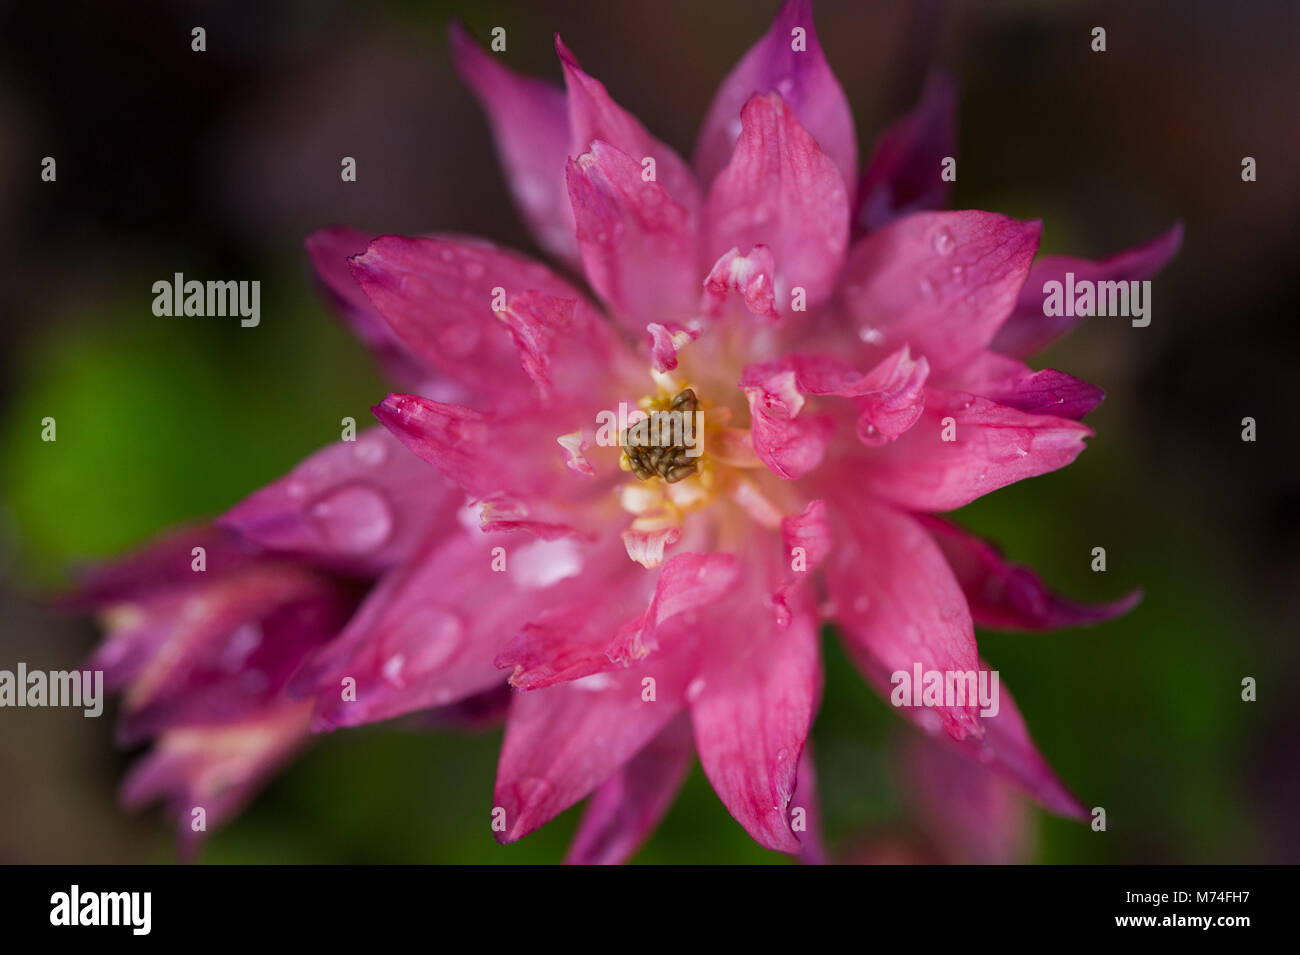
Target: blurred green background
219,165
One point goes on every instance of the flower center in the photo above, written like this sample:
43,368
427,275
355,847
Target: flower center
668,442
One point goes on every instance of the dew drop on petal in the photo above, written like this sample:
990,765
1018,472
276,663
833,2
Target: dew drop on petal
944,243
694,690
242,641
354,518
425,640
370,451
392,670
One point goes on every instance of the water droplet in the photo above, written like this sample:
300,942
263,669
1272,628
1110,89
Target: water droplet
927,288
241,642
474,270
393,670
871,335
694,690
541,563
944,243
354,518
370,451
425,640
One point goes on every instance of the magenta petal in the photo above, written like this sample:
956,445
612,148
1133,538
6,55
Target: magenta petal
218,768
578,639
1010,382
810,530
941,282
530,123
594,115
441,296
352,506
752,710
415,643
972,815
563,741
789,445
1028,330
992,446
164,563
805,798
903,174
804,80
781,191
751,275
638,244
1006,596
899,605
330,250
627,806
891,397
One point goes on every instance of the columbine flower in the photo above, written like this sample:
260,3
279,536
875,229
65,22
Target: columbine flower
855,361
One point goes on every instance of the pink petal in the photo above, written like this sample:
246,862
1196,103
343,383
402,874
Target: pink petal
899,605
942,282
790,446
530,123
627,806
1010,382
563,741
427,635
1028,330
438,296
751,275
638,244
813,850
753,705
236,658
330,250
164,563
889,399
1007,596
585,637
994,446
810,530
217,768
593,115
973,816
358,506
903,174
666,341
511,464
803,78
1008,750
568,350
780,190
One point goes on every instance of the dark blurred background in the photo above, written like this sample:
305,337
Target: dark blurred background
218,164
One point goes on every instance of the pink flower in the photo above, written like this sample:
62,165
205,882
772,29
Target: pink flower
855,360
